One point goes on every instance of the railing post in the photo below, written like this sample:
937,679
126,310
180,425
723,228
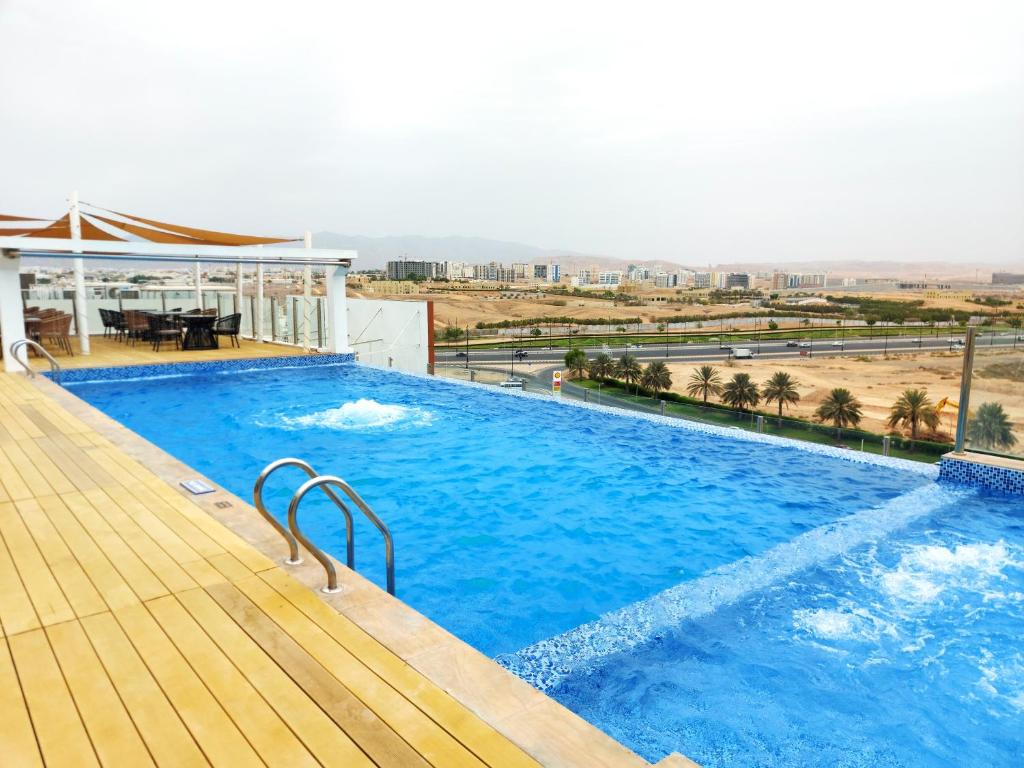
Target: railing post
586,395
760,424
662,407
273,319
965,390
295,321
319,323
886,445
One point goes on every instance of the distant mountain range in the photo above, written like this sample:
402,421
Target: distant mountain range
375,252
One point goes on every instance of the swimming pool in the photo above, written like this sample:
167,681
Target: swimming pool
562,540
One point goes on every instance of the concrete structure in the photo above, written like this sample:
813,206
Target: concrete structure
1008,278
403,270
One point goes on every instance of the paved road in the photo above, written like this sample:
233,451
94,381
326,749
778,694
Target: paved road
692,352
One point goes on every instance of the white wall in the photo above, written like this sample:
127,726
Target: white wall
389,334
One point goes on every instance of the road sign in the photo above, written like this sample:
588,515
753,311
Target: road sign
556,383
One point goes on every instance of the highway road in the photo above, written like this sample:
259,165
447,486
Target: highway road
675,352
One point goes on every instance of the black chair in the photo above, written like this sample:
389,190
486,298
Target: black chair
109,326
120,323
161,329
229,325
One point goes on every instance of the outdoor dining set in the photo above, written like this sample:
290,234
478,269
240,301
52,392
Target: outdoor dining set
186,329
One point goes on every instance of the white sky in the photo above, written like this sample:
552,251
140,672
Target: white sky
691,131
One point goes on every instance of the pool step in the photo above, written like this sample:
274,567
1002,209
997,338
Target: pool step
293,534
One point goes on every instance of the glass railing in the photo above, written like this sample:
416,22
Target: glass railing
994,377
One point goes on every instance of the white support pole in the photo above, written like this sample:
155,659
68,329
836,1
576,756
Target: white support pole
239,280
199,284
307,295
81,310
12,316
257,330
337,310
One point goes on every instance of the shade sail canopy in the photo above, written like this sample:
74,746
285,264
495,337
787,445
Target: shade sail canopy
134,237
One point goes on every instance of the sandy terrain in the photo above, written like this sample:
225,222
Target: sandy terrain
473,307
877,382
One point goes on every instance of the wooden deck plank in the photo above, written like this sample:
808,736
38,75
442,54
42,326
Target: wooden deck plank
109,727
482,739
266,731
164,535
15,488
134,571
328,743
167,738
42,588
64,566
19,747
373,735
108,581
59,730
30,475
17,614
426,736
157,561
221,741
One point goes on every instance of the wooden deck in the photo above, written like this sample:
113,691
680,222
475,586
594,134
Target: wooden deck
137,630
142,626
107,352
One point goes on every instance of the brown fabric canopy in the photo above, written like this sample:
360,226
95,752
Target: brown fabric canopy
210,236
154,231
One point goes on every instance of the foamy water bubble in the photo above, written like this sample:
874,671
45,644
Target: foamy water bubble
362,414
926,571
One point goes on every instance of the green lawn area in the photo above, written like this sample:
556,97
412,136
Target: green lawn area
615,395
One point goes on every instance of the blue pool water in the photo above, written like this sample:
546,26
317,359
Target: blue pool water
906,651
642,574
514,519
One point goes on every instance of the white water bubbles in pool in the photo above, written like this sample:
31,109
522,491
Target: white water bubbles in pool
361,414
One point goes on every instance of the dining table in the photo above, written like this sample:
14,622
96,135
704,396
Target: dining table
198,331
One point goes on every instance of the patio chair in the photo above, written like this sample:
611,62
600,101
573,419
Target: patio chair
107,318
136,325
120,324
208,312
229,325
61,331
161,329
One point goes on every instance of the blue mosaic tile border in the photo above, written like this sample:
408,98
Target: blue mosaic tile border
984,475
165,370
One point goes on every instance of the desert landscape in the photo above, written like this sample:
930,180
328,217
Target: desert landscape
877,382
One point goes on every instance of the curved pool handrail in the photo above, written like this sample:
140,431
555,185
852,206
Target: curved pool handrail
55,368
326,481
293,546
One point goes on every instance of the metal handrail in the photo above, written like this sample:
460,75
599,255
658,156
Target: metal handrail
55,368
293,524
293,546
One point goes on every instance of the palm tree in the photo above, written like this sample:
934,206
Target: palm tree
657,378
781,389
741,391
911,408
990,428
601,367
841,408
628,369
705,381
576,361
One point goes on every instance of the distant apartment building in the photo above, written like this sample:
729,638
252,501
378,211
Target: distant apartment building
737,280
494,272
520,271
403,270
554,273
1008,278
666,279
807,280
540,271
911,286
638,274
780,281
610,277
702,279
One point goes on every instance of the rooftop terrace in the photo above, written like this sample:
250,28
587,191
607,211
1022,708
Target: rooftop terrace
140,625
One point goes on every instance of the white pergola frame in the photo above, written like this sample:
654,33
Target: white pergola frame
12,319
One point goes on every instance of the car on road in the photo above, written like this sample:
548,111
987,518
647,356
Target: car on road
741,353
837,343
792,344
725,346
957,343
460,354
632,346
804,345
520,353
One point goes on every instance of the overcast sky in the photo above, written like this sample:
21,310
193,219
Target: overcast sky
691,131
